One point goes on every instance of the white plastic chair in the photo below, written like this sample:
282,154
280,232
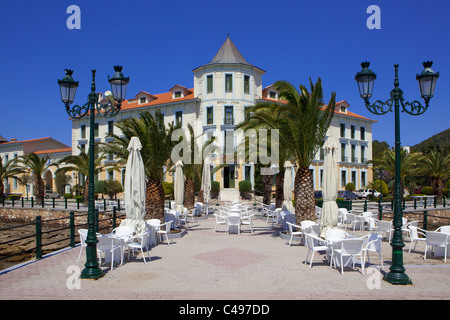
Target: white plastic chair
246,220
444,229
292,227
183,219
312,242
414,236
385,226
164,229
372,243
334,235
107,244
83,235
140,242
348,248
276,217
191,214
221,219
436,239
234,221
124,231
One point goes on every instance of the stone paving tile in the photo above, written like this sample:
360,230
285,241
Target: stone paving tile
204,265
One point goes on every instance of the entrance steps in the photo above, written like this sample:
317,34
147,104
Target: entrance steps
229,195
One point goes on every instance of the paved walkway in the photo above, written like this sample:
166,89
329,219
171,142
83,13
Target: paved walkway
204,265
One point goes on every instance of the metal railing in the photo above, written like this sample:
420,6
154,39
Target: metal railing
53,203
39,234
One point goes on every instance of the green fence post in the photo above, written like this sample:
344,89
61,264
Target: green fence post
435,201
415,203
43,201
425,220
12,199
404,203
23,204
104,204
118,204
380,210
32,202
53,203
38,237
72,229
114,217
365,205
65,203
78,203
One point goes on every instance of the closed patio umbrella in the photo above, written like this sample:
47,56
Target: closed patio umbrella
179,186
206,183
287,188
134,189
330,186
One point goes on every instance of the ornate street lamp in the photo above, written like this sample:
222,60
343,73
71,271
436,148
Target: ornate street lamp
427,82
68,87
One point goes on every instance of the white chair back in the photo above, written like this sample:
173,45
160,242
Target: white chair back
123,231
83,235
234,220
437,238
384,225
444,229
351,246
307,223
336,234
374,242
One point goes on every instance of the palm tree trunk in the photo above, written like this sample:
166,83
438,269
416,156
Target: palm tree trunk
86,192
438,187
279,189
39,186
267,188
200,196
2,188
154,200
304,195
189,193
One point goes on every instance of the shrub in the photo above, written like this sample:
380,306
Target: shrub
350,186
215,186
68,195
14,196
245,185
376,186
428,190
112,188
168,189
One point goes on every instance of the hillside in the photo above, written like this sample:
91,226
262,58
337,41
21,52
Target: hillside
440,141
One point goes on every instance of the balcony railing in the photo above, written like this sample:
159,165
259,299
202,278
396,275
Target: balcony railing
228,121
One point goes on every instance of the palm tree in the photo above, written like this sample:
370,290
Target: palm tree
8,169
191,171
409,164
156,150
36,166
302,120
80,163
437,166
256,120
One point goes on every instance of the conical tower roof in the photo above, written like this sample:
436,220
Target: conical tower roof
229,54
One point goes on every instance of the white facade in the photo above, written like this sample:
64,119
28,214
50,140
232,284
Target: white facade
222,89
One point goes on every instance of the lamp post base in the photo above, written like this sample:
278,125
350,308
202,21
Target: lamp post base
397,278
92,273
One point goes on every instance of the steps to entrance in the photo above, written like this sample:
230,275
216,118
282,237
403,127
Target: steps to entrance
229,195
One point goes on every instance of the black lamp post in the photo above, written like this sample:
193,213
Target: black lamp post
68,87
427,82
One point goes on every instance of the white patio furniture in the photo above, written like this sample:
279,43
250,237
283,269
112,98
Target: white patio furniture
294,231
153,226
314,245
349,248
122,234
372,243
437,240
83,235
333,235
221,219
233,220
191,214
246,220
415,234
276,217
183,219
108,245
140,241
444,229
385,227
164,230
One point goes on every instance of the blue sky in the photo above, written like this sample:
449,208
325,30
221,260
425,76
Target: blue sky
159,43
